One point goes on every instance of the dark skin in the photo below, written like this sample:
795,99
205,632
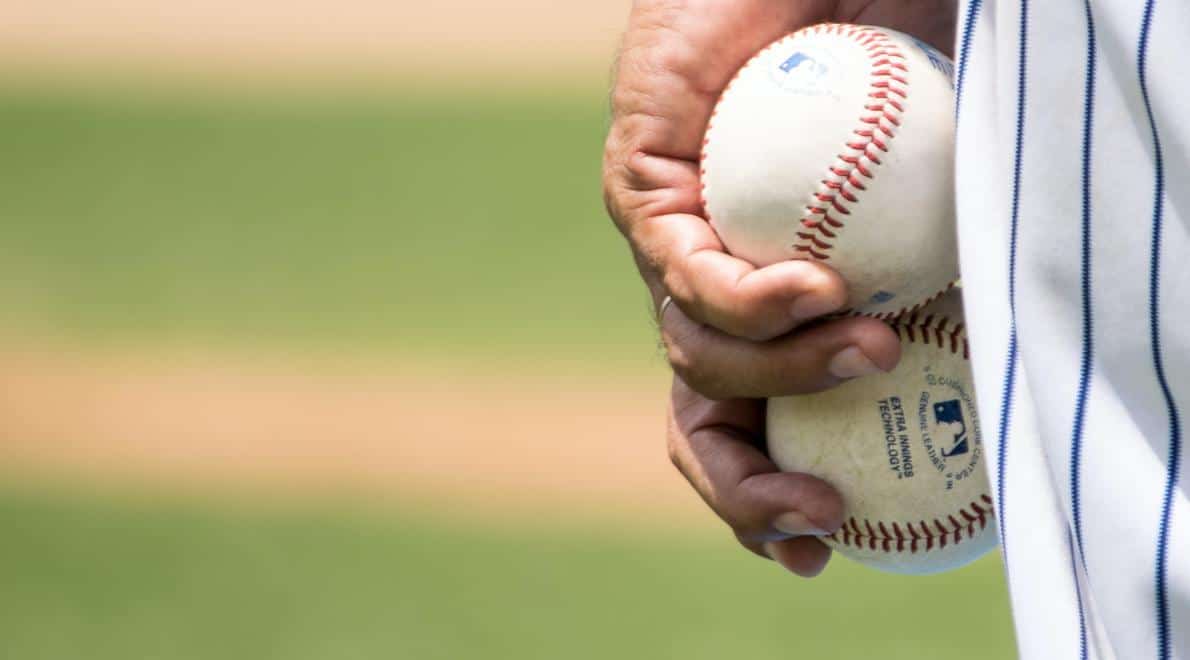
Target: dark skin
735,333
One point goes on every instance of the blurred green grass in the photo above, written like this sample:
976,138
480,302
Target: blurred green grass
114,577
435,222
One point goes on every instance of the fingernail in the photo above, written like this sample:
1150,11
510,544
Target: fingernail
796,524
852,363
809,306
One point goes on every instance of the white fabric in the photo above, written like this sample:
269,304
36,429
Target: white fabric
1080,431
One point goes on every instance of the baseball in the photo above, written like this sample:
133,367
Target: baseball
904,449
836,144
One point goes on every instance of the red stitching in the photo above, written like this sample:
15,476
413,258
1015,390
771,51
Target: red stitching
842,192
814,239
948,530
896,317
888,62
818,227
930,329
812,252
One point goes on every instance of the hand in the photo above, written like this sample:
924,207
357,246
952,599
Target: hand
676,58
728,334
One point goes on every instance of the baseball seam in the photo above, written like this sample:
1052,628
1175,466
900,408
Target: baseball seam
913,537
839,191
936,329
891,317
922,535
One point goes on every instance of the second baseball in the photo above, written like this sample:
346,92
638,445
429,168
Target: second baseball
904,449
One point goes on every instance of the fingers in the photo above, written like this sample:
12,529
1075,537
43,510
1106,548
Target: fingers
813,359
806,557
717,289
717,447
803,555
679,254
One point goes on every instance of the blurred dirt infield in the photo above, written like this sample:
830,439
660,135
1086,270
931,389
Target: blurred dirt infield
448,438
324,39
457,439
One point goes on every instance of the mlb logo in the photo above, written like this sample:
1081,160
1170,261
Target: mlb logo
807,72
950,415
807,65
796,60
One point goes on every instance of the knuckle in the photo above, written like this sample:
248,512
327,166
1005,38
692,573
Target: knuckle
683,362
674,283
673,451
698,372
687,303
616,180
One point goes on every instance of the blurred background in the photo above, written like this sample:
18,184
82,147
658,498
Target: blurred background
315,343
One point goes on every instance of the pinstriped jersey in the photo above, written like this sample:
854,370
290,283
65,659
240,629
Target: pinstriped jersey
1073,178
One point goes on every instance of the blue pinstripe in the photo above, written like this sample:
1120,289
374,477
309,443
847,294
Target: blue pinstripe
1175,428
1078,592
1011,360
1088,343
964,51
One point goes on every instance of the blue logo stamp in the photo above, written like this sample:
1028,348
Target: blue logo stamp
950,414
949,426
804,72
801,59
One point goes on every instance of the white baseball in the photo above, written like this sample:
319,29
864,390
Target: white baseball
904,449
836,144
